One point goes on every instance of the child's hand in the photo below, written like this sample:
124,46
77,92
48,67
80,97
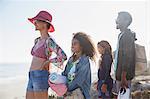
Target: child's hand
104,88
67,94
95,86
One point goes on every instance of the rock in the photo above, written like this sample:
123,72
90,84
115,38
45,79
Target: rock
141,94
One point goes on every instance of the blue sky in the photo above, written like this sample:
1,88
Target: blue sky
96,18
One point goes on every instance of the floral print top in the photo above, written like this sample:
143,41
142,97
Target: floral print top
52,46
45,49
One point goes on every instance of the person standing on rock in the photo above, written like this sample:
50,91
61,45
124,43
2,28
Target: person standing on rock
105,82
124,61
78,68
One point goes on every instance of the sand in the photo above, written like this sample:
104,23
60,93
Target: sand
13,89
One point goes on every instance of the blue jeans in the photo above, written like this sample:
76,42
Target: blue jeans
38,81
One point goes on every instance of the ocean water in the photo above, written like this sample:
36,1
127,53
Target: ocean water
14,79
10,72
19,71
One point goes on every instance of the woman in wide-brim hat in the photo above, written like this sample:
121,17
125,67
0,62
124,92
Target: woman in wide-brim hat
37,87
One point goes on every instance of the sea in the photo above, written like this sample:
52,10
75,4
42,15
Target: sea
14,79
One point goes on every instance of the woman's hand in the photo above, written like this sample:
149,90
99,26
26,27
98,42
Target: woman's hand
104,88
46,65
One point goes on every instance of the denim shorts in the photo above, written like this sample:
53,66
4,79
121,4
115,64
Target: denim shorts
38,80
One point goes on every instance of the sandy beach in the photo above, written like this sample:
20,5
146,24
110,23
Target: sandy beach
13,80
13,89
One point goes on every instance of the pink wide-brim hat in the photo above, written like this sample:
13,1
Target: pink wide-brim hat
43,16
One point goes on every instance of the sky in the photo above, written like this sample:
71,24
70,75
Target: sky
95,18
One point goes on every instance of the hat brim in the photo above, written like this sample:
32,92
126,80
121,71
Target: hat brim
51,28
